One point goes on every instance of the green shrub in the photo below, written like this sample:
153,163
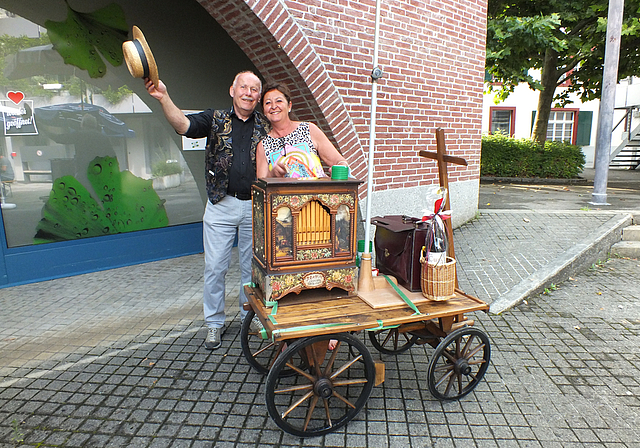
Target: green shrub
504,156
116,96
166,168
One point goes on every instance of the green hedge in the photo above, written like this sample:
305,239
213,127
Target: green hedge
167,168
504,156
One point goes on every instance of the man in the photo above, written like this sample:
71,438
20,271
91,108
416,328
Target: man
6,175
230,168
6,170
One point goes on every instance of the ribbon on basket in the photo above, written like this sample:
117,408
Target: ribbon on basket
438,207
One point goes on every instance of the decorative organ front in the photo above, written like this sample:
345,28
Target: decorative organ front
304,233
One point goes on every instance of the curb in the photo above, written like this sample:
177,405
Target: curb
617,183
584,254
534,181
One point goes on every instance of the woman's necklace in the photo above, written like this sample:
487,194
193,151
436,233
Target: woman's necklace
289,129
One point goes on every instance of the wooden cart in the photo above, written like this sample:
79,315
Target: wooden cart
319,371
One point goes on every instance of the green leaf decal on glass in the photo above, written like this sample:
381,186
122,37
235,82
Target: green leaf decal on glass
84,36
70,213
127,203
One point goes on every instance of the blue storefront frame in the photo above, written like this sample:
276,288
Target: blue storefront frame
41,262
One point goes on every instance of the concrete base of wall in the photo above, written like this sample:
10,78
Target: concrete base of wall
414,202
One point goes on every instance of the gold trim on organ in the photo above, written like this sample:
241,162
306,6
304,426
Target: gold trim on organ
314,225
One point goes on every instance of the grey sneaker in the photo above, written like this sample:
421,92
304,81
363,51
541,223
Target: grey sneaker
255,326
214,340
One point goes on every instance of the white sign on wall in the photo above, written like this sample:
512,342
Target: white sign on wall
193,144
17,115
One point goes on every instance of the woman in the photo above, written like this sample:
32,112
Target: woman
292,148
287,140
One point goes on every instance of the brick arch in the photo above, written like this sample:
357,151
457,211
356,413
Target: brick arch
270,36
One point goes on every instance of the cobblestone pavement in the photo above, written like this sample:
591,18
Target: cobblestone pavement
116,358
501,249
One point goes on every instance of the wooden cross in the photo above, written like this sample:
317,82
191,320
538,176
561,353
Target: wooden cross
442,158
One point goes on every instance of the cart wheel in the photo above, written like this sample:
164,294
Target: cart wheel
391,341
326,395
458,364
260,353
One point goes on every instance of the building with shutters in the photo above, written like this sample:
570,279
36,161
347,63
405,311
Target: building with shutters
576,122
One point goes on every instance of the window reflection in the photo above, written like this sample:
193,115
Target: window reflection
58,124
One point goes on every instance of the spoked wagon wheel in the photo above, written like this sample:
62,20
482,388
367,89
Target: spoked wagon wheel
391,341
458,364
326,395
260,353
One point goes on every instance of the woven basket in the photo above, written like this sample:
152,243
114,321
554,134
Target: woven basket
439,281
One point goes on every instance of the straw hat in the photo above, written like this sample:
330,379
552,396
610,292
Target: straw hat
139,58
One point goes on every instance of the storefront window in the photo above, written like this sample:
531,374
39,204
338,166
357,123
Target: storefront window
81,160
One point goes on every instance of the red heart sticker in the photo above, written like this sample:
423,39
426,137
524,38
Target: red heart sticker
16,97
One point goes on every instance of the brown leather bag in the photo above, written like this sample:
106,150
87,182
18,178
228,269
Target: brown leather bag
398,241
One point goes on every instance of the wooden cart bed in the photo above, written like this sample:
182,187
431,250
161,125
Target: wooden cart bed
319,312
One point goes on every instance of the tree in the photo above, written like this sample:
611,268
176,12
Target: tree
564,40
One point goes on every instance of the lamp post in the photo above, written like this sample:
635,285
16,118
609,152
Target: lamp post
607,102
365,281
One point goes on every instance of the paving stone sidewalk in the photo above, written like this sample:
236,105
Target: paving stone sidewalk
115,358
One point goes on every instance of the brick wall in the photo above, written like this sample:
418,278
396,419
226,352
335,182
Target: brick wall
432,54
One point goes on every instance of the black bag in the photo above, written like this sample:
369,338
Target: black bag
398,241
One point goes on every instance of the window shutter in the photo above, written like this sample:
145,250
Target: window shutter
533,119
583,135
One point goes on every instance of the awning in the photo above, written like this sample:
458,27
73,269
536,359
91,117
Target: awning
64,118
36,61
